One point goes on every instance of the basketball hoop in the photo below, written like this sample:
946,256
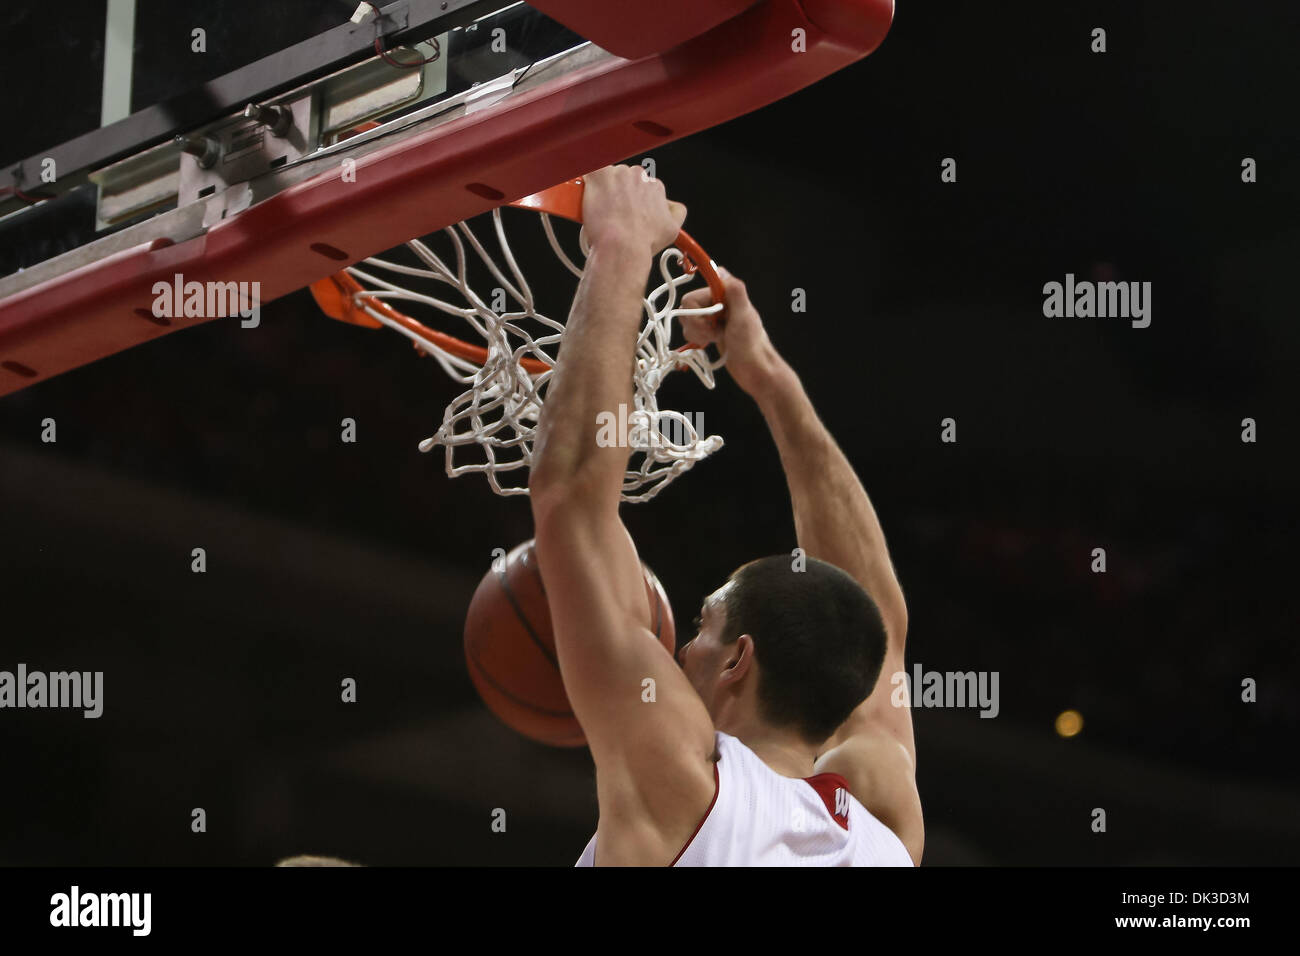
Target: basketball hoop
507,376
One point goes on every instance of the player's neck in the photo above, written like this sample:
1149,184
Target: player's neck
785,752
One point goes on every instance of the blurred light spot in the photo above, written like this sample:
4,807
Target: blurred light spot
1069,723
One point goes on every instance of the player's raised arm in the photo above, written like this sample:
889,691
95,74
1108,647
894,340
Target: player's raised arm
650,734
833,516
835,521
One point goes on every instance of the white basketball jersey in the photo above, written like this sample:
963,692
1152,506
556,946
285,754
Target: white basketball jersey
760,818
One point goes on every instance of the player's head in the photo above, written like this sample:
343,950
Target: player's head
796,645
310,859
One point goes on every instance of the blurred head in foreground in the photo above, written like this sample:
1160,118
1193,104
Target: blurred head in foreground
306,859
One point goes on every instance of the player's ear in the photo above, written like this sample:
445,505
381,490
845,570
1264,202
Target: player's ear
739,659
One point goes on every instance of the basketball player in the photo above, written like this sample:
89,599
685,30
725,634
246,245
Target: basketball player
768,744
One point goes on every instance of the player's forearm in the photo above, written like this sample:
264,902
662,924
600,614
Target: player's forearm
594,376
834,518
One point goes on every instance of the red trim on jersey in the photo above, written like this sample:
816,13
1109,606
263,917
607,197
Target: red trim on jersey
826,784
717,785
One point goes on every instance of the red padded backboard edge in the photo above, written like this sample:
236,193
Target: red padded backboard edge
600,114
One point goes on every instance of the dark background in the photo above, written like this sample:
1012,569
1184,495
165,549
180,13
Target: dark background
328,561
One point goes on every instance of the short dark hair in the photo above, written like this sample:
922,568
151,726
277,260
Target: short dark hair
818,637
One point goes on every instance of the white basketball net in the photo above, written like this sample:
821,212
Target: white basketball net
494,421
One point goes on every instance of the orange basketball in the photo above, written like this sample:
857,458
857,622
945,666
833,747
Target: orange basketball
510,649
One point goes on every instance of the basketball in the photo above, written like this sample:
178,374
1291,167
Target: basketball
510,648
